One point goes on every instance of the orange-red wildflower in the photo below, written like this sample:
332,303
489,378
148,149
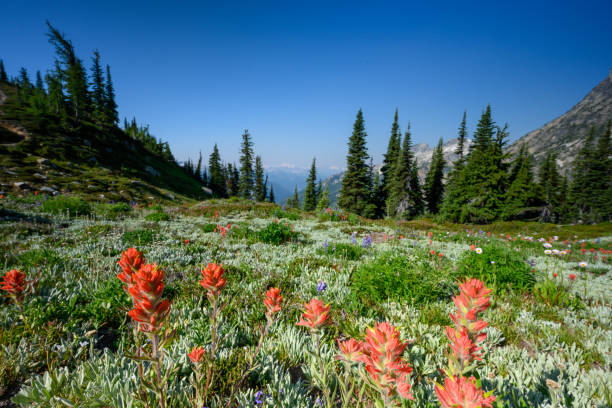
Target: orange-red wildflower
273,301
315,316
461,392
149,308
351,350
196,354
131,260
14,283
213,279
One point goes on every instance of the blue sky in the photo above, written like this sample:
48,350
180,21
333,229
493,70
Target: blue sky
296,74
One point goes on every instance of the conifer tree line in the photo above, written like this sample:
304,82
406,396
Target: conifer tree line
77,94
248,180
484,184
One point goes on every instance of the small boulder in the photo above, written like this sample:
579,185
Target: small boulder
40,176
21,185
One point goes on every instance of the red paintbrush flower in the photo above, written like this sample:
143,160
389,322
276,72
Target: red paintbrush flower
131,260
14,283
196,354
213,279
149,309
461,392
351,350
315,316
273,301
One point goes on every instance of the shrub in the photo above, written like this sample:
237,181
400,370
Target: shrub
66,205
113,211
209,227
280,214
276,233
396,277
351,252
138,237
35,258
498,266
157,216
105,304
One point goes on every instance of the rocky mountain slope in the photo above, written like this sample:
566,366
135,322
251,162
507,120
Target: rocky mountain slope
565,134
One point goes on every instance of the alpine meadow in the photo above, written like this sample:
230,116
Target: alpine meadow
347,207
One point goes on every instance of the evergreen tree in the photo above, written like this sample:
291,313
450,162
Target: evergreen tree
294,201
378,197
260,187
398,201
324,201
74,74
110,107
56,97
434,186
319,190
601,178
583,179
390,159
476,192
417,204
40,86
549,182
98,92
246,166
205,177
24,79
235,181
3,76
523,194
216,178
310,194
198,170
271,198
355,192
462,134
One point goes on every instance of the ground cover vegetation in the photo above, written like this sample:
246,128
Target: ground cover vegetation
239,303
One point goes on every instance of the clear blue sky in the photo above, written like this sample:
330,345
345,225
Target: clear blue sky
295,74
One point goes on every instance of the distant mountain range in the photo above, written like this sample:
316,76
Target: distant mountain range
563,136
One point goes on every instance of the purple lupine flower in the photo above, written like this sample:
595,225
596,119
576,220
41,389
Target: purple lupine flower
322,286
325,245
354,237
367,242
319,402
259,397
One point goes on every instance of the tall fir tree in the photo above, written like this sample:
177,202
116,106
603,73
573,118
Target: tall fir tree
583,180
198,170
417,203
355,192
310,194
294,200
523,194
390,159
319,190
398,200
216,176
324,201
56,97
549,183
97,89
40,86
260,187
235,181
110,106
3,75
461,137
271,197
601,177
246,166
434,185
74,74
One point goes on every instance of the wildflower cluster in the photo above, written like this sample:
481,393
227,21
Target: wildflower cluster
464,339
14,283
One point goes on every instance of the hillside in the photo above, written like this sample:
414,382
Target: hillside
39,152
564,135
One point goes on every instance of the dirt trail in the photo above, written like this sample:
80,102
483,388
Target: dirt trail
19,130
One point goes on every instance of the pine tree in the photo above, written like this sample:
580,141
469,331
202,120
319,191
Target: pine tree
198,170
434,186
417,204
390,159
271,198
260,187
355,192
40,86
98,91
582,179
246,166
319,190
56,97
216,178
294,201
601,177
110,107
3,76
310,194
235,181
74,74
522,195
462,134
324,201
400,187
484,132
549,182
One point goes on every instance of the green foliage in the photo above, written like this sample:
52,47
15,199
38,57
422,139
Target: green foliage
310,194
209,227
104,305
277,233
552,293
35,258
350,252
138,237
246,182
73,206
113,211
498,266
157,216
396,277
434,186
280,214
